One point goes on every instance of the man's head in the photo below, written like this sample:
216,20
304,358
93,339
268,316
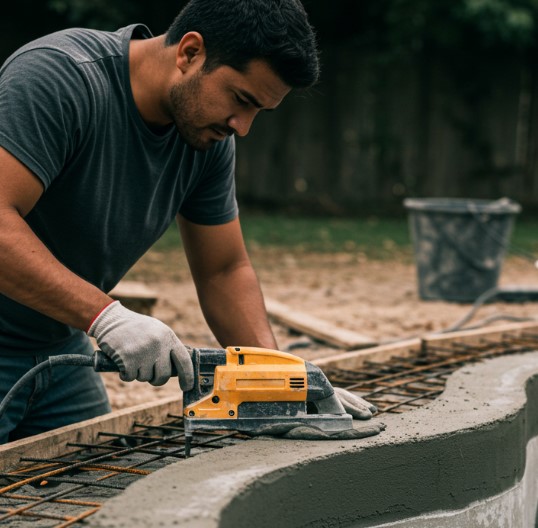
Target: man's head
235,58
235,32
208,107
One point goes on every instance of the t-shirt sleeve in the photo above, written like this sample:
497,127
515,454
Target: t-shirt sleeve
43,101
213,201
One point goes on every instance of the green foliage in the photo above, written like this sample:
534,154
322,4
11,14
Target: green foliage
102,14
396,27
512,22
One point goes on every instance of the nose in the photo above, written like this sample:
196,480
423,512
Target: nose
241,123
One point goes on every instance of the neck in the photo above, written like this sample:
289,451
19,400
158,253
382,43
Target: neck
149,64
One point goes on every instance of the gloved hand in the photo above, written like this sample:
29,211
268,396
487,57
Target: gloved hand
354,405
299,431
143,347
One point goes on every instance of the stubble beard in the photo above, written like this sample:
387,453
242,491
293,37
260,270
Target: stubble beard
186,110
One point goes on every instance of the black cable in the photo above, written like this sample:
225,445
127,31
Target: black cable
480,300
498,317
488,295
65,359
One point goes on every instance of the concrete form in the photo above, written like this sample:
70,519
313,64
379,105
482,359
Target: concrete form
468,459
54,443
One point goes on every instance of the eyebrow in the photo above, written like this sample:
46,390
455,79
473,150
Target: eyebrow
254,101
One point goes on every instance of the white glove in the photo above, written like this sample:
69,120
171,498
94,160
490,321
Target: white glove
143,347
354,405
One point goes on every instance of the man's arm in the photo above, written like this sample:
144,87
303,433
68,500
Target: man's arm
142,347
227,286
30,274
231,298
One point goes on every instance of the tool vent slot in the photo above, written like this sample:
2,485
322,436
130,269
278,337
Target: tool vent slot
297,383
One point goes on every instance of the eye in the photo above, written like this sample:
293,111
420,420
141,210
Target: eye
241,101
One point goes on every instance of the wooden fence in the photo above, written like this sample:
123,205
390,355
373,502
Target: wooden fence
373,132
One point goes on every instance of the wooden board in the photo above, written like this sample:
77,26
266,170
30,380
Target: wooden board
481,334
136,296
317,328
53,443
355,359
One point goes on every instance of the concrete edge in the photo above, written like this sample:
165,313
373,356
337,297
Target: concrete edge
465,446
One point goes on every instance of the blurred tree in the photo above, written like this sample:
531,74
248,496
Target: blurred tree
104,14
408,26
511,22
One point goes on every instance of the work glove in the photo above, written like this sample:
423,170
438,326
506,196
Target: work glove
143,347
354,405
300,431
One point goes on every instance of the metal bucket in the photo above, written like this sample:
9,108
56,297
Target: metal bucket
459,244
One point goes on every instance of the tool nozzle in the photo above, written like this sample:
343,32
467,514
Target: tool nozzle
188,442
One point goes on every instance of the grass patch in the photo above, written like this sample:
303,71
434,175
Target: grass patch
525,238
376,237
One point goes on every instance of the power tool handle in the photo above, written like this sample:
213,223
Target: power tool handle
102,363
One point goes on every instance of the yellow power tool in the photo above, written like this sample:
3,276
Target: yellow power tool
246,389
250,390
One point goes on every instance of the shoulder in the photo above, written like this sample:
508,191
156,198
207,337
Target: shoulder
73,61
79,45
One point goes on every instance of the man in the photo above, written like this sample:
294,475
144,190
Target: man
105,138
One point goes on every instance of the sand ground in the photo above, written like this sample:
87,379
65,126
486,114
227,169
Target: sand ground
377,298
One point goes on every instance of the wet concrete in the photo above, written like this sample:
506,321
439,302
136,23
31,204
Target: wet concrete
457,461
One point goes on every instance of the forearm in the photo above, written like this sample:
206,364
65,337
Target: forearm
232,303
32,276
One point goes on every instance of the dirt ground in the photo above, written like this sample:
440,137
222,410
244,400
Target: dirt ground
376,298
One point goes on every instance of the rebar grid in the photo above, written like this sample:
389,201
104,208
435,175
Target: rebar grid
404,383
62,491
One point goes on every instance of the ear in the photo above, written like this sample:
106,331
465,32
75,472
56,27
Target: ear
190,51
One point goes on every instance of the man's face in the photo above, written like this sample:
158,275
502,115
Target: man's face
208,107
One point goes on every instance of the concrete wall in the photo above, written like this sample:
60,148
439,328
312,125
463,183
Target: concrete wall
515,507
468,459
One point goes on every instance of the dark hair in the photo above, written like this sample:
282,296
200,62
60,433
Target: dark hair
238,31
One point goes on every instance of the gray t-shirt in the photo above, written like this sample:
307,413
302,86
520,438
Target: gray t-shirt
112,185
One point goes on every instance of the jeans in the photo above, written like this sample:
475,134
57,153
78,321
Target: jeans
55,397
